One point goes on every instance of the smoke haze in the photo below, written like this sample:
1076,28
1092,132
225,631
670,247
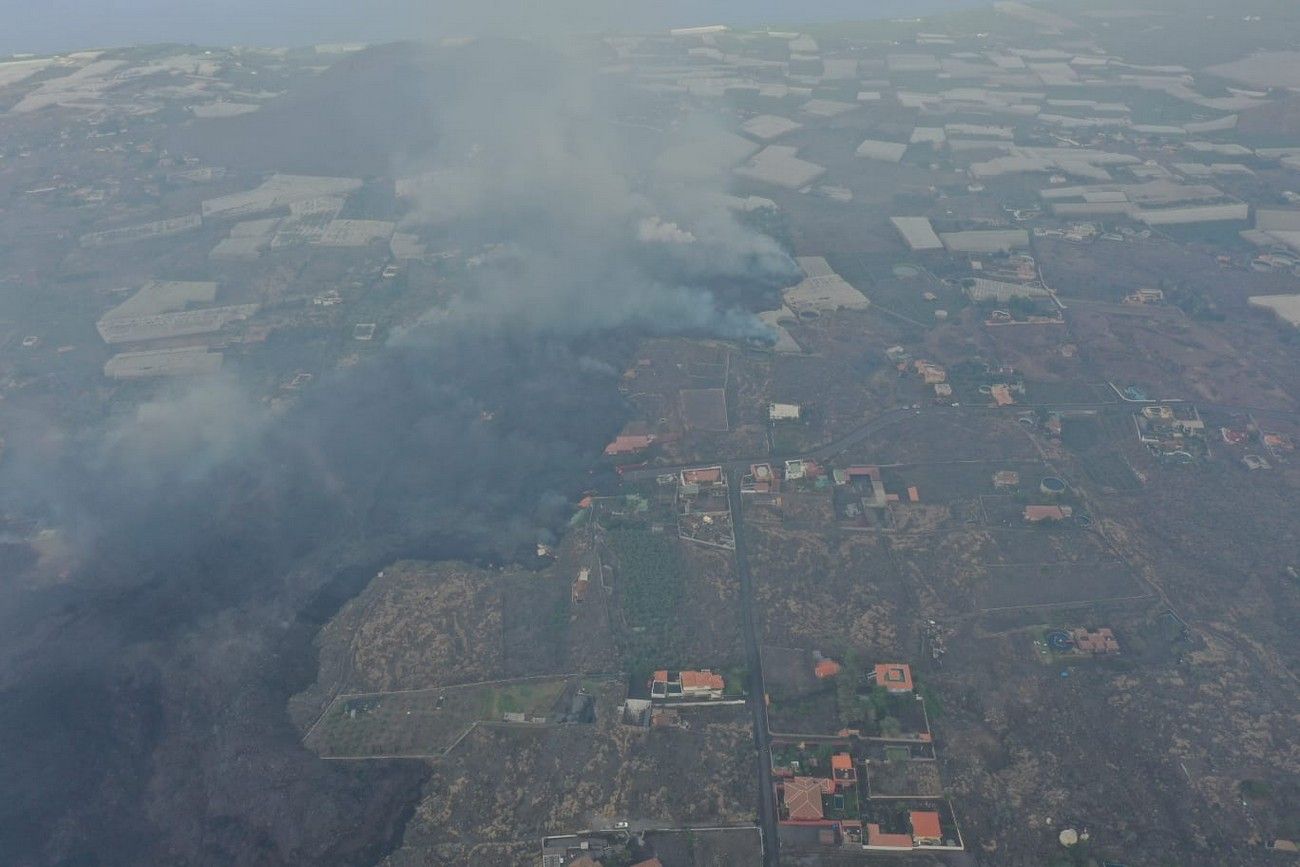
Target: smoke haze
64,26
209,535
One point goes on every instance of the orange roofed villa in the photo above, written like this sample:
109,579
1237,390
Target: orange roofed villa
926,831
843,773
686,685
635,437
894,676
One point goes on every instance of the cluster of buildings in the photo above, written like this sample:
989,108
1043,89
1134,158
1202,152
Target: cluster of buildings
595,849
686,685
860,490
823,786
1098,642
1173,431
1080,641
703,507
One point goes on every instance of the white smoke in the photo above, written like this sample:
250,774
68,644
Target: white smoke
653,230
598,226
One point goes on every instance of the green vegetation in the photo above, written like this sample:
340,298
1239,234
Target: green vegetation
532,698
736,677
1256,790
426,721
870,711
1194,301
650,585
933,706
847,700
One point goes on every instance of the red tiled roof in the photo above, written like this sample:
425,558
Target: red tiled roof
628,443
702,680
925,824
894,676
826,668
895,841
803,798
1101,641
1034,514
703,475
842,769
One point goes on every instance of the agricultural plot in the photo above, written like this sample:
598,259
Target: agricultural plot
675,603
649,585
424,723
1022,586
946,436
788,671
1040,392
978,569
903,778
806,509
813,713
829,592
707,847
704,409
506,783
903,287
1112,472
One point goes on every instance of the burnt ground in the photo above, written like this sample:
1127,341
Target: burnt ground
500,789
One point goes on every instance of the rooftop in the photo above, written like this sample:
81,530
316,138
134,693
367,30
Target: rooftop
894,676
803,798
925,824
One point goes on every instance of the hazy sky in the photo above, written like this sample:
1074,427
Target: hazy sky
61,25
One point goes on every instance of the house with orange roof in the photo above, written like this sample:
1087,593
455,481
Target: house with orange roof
926,830
624,444
702,476
843,772
759,480
1102,641
803,799
634,437
894,676
1039,514
877,839
826,668
702,684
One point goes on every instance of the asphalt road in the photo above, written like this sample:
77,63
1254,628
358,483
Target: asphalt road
767,818
757,691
